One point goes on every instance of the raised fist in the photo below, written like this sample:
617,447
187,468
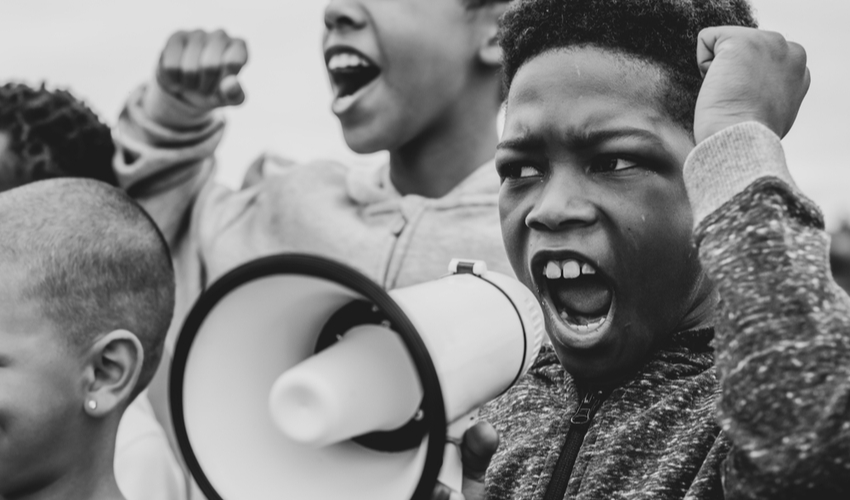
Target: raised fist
201,68
749,75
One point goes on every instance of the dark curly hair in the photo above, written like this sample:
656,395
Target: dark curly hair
53,134
659,32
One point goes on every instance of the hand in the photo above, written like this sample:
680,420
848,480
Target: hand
479,444
201,68
749,75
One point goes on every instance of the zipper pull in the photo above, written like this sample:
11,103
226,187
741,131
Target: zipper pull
585,410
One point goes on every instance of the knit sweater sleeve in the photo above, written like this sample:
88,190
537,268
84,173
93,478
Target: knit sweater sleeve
783,328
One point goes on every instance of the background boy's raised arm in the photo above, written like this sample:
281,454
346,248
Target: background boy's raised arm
168,131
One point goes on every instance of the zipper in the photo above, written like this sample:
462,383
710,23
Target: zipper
579,423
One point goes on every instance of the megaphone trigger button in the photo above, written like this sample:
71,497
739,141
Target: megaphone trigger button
420,414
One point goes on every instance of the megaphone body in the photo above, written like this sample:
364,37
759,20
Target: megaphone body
298,377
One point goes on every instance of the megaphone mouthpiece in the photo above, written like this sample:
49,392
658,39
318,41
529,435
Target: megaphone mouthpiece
365,382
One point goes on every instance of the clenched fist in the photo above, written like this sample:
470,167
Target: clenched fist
201,68
749,75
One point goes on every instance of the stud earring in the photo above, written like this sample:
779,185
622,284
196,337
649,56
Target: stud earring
92,404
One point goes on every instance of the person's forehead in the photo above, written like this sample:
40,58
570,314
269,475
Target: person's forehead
577,90
585,72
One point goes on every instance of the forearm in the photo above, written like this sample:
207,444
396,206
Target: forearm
783,333
165,154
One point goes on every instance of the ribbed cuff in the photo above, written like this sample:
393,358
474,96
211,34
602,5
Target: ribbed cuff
730,160
169,111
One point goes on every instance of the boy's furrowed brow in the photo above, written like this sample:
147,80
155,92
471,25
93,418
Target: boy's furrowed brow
523,143
584,139
589,138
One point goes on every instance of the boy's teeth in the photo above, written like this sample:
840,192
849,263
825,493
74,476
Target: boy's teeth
346,60
553,270
572,269
568,269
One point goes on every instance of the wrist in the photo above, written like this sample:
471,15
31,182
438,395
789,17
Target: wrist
721,122
171,111
728,161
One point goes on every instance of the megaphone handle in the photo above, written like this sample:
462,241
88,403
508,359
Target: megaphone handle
451,473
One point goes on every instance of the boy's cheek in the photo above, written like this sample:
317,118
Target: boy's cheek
515,238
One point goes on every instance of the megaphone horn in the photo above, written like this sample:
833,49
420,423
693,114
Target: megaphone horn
295,376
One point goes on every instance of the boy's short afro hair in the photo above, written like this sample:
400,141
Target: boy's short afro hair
53,134
660,32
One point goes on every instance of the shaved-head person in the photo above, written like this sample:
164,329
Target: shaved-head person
86,297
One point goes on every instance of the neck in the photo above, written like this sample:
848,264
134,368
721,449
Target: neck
442,156
703,306
90,477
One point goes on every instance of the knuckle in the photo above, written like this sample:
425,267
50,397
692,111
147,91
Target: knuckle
798,53
177,35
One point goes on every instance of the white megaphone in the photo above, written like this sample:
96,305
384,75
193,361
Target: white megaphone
296,377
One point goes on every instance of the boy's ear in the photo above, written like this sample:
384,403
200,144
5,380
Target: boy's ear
114,364
489,51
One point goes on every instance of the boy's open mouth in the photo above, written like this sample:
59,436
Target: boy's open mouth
580,296
350,70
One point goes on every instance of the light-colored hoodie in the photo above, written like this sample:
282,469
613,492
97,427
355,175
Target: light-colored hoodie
353,215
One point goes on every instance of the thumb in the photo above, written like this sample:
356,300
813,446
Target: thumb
479,445
707,42
230,91
443,492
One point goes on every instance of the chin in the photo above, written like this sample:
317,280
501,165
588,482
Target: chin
363,140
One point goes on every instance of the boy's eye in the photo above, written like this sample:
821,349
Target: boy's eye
612,164
520,171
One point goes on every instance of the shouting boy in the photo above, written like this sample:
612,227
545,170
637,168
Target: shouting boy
85,302
418,78
699,347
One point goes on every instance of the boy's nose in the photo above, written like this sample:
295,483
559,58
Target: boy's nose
563,204
344,14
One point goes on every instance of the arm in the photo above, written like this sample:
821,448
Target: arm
783,332
168,132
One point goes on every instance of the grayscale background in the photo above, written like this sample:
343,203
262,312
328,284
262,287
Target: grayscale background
101,49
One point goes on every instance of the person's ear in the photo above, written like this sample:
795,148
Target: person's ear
114,365
489,51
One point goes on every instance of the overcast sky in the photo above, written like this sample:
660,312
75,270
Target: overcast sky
101,49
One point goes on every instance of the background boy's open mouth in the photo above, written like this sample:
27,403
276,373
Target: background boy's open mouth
350,70
581,297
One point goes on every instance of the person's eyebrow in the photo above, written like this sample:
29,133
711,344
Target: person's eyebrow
584,139
590,138
522,143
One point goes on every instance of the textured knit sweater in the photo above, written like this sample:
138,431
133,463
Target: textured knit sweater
758,407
